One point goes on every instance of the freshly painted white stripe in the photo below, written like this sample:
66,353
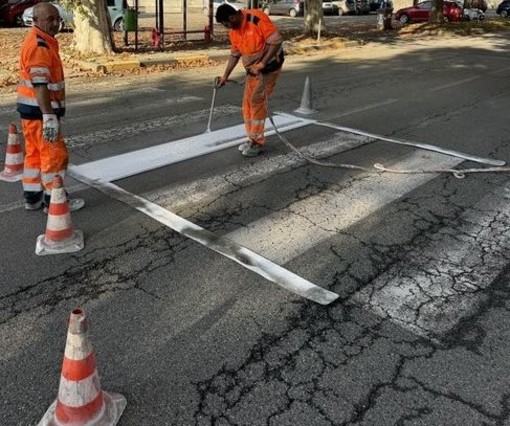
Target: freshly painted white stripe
133,163
453,84
229,249
441,280
77,347
78,393
317,218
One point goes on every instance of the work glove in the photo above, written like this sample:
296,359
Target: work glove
51,127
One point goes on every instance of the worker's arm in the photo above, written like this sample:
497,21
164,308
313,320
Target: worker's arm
231,64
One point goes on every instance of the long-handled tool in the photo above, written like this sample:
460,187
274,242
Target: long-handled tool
215,88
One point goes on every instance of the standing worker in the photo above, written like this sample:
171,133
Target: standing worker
41,104
256,40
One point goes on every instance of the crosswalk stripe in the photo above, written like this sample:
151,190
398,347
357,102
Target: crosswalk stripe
245,257
141,127
308,222
135,162
441,281
198,192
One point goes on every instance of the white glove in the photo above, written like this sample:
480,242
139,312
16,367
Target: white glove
51,127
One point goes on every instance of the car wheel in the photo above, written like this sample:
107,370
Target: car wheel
292,13
266,10
119,25
445,19
504,14
404,19
481,17
205,11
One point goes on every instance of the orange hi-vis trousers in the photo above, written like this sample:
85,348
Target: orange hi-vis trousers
257,90
43,160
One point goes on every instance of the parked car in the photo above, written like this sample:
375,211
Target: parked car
350,7
421,12
11,11
116,10
234,3
292,8
329,7
503,9
473,14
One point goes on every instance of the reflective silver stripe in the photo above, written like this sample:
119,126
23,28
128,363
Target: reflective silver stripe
39,80
56,86
25,83
32,187
31,173
255,122
33,102
39,70
48,177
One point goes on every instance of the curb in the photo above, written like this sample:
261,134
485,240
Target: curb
106,67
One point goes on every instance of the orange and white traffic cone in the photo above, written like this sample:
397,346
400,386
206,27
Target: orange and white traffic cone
60,237
13,167
80,399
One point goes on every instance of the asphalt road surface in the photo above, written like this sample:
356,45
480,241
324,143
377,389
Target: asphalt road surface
184,322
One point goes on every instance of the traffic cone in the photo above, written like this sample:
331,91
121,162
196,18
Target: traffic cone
80,399
306,99
60,237
13,170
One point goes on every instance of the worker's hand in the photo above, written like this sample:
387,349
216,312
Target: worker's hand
257,67
221,81
51,127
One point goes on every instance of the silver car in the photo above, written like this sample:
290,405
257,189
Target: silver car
115,9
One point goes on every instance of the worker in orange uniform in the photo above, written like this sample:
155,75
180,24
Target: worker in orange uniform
256,40
41,104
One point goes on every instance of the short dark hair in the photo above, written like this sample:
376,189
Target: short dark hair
224,12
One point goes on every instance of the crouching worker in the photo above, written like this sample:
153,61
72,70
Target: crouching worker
256,40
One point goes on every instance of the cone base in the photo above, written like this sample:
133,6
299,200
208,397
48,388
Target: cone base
72,244
305,111
10,177
110,416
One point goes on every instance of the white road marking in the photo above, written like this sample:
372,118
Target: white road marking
453,84
442,280
245,257
135,162
308,222
364,108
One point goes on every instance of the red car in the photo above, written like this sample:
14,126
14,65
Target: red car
11,11
421,12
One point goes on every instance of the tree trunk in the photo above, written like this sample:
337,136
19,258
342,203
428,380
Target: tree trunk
436,13
92,28
314,17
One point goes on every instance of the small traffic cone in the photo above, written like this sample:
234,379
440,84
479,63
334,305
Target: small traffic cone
306,99
80,399
60,237
13,170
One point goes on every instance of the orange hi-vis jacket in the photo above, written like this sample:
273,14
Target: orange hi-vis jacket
40,64
249,41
